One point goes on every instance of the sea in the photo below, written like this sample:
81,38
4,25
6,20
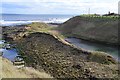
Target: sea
20,19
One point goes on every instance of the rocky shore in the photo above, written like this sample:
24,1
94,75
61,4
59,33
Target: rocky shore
61,60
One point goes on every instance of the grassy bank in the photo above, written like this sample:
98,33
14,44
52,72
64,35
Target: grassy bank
10,71
96,29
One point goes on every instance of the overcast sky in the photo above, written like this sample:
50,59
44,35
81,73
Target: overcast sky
59,6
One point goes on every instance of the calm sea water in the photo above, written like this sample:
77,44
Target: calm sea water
18,19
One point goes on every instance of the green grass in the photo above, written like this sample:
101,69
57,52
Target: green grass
1,45
96,16
101,57
39,27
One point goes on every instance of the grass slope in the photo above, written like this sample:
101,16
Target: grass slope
92,29
10,71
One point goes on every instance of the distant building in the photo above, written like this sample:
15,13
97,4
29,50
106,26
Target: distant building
111,14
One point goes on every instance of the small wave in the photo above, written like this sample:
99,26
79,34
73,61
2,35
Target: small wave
13,23
56,20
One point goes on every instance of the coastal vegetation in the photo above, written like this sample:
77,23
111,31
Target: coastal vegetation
38,27
10,71
100,16
96,29
43,46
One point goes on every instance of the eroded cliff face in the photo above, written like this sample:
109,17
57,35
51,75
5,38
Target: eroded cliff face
102,29
64,61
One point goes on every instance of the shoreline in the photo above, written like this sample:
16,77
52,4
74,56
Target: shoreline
84,45
55,25
98,30
97,42
58,58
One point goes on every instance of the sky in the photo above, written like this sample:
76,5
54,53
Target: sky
58,6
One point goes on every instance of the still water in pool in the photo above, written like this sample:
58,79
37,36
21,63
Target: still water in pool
8,53
94,46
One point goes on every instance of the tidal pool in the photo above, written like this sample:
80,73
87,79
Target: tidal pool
94,46
8,53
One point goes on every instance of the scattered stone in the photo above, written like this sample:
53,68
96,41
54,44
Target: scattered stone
77,66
